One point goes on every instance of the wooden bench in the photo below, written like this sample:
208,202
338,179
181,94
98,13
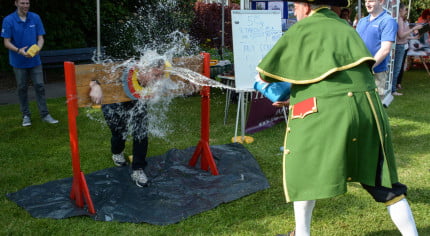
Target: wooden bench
56,58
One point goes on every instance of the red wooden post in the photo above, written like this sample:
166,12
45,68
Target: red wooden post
203,148
79,191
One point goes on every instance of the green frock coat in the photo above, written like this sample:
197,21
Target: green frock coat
337,124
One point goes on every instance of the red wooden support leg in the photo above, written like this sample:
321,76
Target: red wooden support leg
203,148
75,193
79,191
195,157
86,194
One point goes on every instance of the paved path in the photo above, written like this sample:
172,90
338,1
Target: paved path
52,90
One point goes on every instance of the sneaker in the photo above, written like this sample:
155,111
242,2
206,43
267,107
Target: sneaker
26,121
48,118
118,159
397,94
139,177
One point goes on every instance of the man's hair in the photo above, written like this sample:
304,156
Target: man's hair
158,63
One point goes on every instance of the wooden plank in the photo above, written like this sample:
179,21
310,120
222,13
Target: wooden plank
110,75
109,79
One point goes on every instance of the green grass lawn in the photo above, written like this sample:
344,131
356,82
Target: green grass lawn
41,153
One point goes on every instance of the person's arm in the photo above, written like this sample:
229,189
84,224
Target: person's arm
383,52
281,103
96,93
404,31
40,42
8,44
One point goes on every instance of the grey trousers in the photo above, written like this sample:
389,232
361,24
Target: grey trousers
22,76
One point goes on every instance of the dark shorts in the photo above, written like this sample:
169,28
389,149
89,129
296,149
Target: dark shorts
383,194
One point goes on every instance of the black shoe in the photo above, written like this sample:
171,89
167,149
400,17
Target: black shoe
292,233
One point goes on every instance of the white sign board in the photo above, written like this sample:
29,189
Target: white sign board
254,34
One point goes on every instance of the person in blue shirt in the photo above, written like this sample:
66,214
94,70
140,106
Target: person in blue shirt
378,31
22,33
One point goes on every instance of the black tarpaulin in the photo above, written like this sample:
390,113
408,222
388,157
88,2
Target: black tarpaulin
175,191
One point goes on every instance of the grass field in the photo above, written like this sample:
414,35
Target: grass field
41,153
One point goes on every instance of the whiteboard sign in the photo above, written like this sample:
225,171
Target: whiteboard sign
254,34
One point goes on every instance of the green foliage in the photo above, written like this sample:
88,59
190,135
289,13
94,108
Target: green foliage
147,26
417,7
73,24
207,28
217,54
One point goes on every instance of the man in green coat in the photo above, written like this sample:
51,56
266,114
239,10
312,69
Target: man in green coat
337,129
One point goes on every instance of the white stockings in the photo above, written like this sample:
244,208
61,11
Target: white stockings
303,217
401,215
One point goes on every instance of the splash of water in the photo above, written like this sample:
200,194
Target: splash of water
152,42
158,95
197,78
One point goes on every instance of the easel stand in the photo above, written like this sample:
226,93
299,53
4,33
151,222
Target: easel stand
79,191
241,108
203,148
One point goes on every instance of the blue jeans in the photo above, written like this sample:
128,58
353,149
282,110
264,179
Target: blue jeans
398,61
36,75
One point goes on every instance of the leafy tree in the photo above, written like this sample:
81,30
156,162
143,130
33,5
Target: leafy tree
148,26
417,7
207,25
72,24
